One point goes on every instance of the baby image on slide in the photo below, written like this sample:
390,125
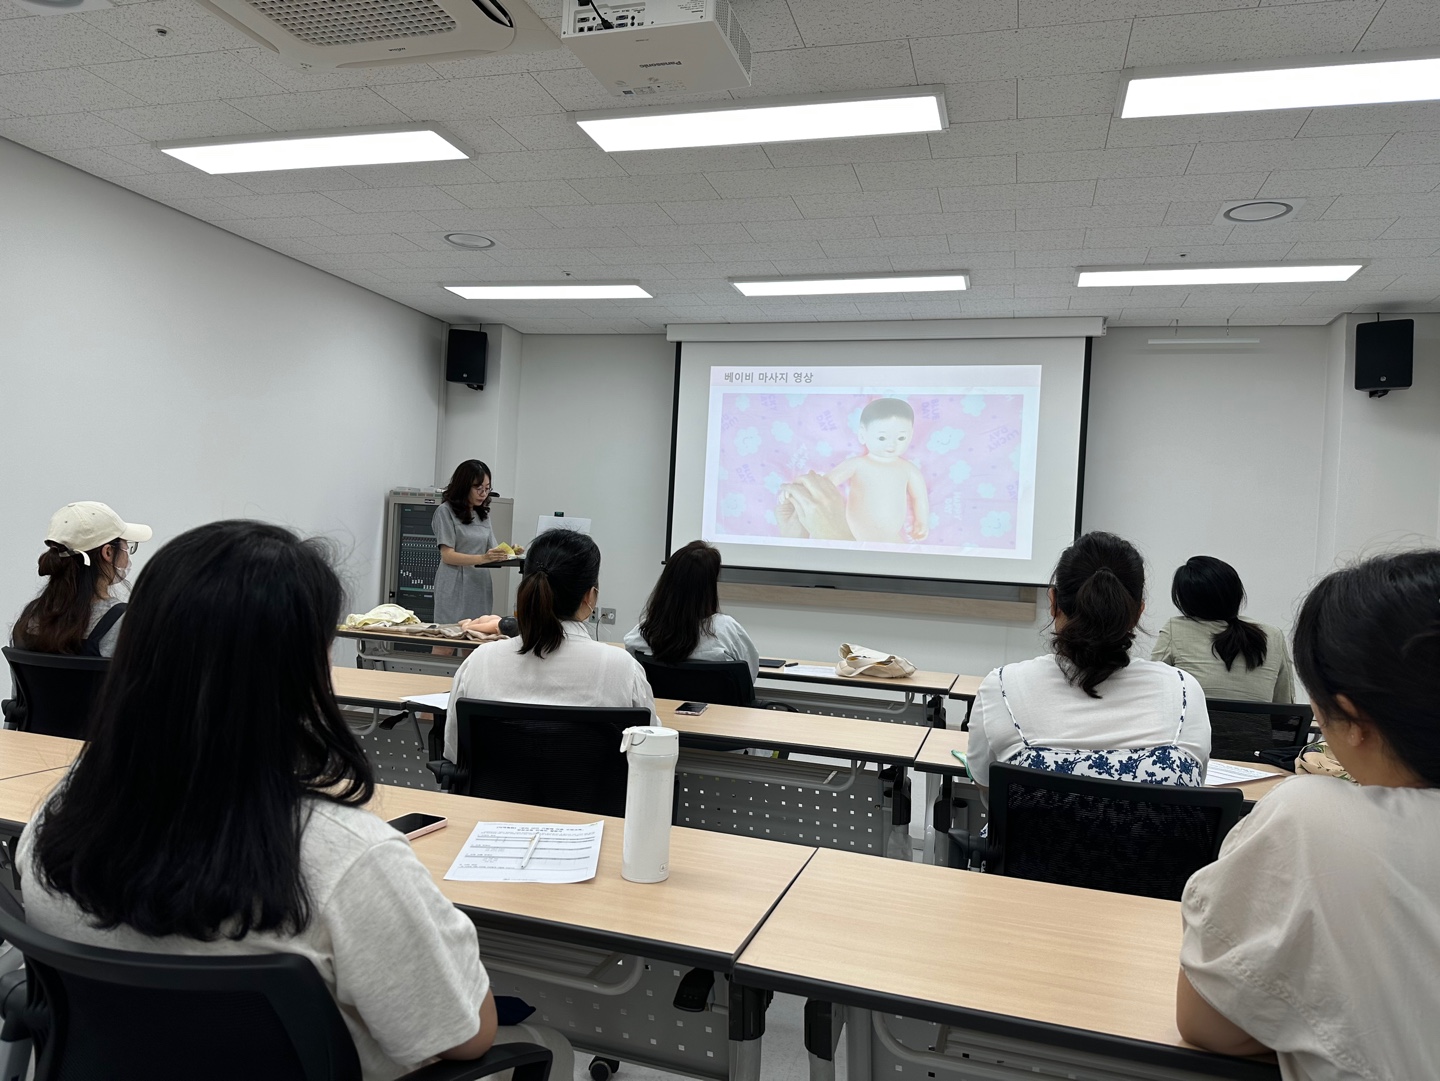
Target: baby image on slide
944,469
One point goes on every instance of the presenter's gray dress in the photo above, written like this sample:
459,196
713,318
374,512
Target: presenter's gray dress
462,592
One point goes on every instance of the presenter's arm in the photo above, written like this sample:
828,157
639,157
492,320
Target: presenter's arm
484,1039
452,558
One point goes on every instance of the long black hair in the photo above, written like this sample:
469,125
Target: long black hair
561,566
56,621
1372,633
216,724
1209,588
683,604
456,496
1099,587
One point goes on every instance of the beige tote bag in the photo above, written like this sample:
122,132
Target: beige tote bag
861,661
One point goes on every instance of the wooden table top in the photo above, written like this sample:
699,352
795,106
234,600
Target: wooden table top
919,683
29,752
720,887
846,737
382,634
938,943
966,687
388,690
21,797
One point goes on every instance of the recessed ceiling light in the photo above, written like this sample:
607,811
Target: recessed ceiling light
1257,210
469,241
1218,275
948,282
832,116
552,291
1309,84
319,150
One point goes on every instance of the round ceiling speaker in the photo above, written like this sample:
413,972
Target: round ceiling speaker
469,241
1259,210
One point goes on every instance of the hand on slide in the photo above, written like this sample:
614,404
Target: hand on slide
919,531
811,506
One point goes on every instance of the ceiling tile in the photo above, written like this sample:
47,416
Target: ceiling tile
768,25
356,224
1252,33
1374,179
1368,119
1416,228
715,233
354,107
1018,196
1069,258
194,185
418,173
875,65
977,221
814,229
706,159
1091,217
1017,136
1102,164
587,237
282,181
548,164
1362,229
476,221
612,214
705,211
1021,240
170,80
921,201
188,120
545,131
849,151
535,193
268,228
394,200
724,269
807,180
935,249
1156,235
1069,95
577,90
1165,130
383,242
1212,253
281,206
1381,247
35,44
950,173
833,22
799,249
1010,54
645,189
1385,206
1347,151
100,162
1411,148
470,99
1065,12
61,90
1402,24
1155,189
672,255
190,28
989,99
66,131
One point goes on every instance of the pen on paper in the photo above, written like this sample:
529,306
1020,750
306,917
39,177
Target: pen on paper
529,851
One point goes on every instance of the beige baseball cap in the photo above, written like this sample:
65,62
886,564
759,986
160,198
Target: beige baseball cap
79,527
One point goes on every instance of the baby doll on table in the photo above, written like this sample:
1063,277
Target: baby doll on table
882,487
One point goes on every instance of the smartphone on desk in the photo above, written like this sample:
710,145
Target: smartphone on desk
773,662
690,709
418,825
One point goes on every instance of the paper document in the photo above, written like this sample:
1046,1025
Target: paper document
809,670
549,852
438,703
1218,773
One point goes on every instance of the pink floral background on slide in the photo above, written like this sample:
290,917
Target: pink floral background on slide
966,445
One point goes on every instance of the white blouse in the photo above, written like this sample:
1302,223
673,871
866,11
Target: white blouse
727,641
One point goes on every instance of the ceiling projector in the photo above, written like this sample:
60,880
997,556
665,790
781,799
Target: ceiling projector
645,48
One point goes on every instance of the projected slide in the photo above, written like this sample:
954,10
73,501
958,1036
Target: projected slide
930,459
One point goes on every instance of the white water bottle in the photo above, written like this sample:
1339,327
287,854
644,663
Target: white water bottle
649,796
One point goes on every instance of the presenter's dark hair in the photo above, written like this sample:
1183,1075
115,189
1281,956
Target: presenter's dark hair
1099,586
1372,633
215,730
561,566
467,474
56,621
1208,588
885,409
683,604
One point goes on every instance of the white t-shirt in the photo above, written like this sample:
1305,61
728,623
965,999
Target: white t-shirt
1317,931
1139,706
402,963
580,672
727,641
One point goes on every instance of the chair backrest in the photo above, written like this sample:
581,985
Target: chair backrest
1265,726
721,683
547,756
57,691
1120,836
98,1013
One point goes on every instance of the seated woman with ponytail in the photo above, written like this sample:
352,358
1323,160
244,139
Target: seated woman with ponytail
554,661
1089,708
87,553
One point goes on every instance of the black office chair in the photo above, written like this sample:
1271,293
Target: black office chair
97,1013
1120,836
55,691
547,756
1238,730
721,683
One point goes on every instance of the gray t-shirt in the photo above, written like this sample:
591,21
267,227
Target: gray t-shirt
402,963
462,592
97,612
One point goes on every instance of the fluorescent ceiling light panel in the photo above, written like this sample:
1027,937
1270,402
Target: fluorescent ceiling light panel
1304,86
880,283
318,151
552,291
889,112
1217,275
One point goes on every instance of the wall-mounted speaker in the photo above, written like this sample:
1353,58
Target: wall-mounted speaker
465,357
1384,356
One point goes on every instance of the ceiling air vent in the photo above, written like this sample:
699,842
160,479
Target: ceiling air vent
327,34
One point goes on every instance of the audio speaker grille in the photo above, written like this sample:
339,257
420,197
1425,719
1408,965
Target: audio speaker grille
350,22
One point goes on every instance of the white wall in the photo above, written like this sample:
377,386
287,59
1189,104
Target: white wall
183,374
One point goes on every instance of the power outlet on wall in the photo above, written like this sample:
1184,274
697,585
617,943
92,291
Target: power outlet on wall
607,616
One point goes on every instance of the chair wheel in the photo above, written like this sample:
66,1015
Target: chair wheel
601,1069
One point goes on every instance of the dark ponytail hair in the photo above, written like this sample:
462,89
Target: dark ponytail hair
1372,633
1209,588
683,604
56,621
561,566
1099,587
467,474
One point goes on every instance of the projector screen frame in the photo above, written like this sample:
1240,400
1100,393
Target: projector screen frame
970,588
